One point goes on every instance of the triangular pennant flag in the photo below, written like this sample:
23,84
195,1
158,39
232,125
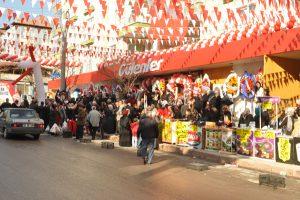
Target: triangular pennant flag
42,4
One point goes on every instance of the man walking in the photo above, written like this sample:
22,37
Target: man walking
94,119
148,131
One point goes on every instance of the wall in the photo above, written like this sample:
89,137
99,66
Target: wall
218,75
281,76
251,67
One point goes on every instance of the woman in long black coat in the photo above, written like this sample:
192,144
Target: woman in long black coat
109,121
125,131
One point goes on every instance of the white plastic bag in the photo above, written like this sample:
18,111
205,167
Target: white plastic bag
47,129
65,127
55,129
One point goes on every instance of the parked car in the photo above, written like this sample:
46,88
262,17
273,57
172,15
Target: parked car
21,121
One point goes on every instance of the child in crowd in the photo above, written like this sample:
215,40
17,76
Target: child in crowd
134,127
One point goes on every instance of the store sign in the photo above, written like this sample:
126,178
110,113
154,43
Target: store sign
130,69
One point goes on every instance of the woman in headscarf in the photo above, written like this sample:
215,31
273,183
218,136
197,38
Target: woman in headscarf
109,121
125,130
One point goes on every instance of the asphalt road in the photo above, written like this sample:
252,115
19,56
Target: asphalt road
57,168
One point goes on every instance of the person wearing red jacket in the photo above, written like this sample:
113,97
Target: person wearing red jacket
134,128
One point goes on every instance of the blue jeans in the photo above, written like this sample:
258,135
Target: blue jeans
145,144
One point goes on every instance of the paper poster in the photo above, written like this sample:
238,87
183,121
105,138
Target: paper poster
264,146
167,132
213,139
228,141
284,149
195,138
267,105
244,141
182,129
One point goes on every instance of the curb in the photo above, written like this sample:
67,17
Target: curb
251,163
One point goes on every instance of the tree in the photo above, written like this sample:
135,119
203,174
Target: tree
126,83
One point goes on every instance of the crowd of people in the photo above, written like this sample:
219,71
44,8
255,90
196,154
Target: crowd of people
134,116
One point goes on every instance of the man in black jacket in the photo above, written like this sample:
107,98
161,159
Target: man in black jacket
148,130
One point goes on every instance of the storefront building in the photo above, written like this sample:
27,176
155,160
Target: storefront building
277,54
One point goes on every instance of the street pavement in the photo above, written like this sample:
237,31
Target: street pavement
55,168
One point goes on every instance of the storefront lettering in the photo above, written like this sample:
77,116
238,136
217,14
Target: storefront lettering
130,69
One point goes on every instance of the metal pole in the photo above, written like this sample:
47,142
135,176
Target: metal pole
63,61
276,117
260,116
64,45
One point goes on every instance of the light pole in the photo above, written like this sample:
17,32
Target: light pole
63,56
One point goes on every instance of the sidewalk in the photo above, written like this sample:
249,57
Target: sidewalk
252,163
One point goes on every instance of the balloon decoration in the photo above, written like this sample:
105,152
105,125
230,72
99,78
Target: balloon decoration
247,85
160,85
197,86
232,85
205,83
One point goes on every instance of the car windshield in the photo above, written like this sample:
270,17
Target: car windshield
22,114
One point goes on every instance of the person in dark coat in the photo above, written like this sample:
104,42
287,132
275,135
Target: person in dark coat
125,131
210,114
42,111
34,105
80,122
25,102
246,117
6,104
109,121
198,103
15,104
149,132
53,116
226,116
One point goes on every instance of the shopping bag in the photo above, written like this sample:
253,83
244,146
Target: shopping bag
65,127
55,129
47,129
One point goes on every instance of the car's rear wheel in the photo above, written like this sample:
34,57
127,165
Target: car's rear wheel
5,134
36,137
